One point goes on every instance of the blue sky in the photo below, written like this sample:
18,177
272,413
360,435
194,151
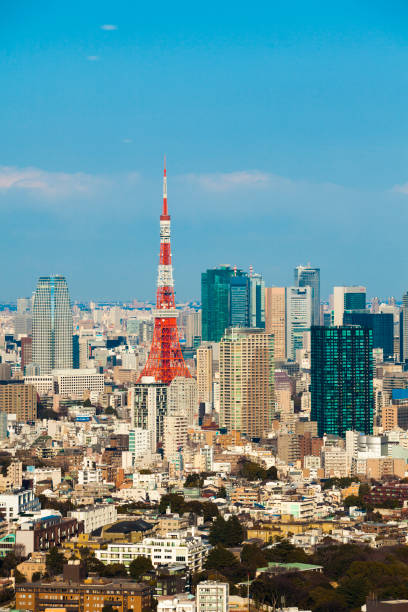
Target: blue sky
284,124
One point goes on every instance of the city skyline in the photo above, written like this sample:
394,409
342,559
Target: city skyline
285,138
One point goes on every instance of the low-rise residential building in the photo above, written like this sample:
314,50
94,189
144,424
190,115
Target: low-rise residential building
161,550
181,602
46,532
96,516
212,596
87,596
36,564
14,503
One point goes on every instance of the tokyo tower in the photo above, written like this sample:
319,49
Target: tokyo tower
165,360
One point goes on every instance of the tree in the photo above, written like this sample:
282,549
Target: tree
139,566
176,503
193,481
9,563
337,558
54,561
228,533
352,500
19,577
253,557
107,607
251,470
93,564
115,570
272,473
222,492
285,552
36,577
354,589
220,558
87,403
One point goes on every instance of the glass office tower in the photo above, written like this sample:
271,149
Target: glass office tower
382,325
307,276
342,379
215,303
52,325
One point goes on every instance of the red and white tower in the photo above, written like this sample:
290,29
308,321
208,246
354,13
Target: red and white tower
165,360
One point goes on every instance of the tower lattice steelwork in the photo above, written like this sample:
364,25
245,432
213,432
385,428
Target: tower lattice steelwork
165,360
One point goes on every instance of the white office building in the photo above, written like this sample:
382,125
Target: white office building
52,325
73,383
95,516
298,318
43,384
173,548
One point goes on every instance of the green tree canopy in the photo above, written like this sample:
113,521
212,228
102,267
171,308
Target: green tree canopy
54,561
227,533
139,566
220,558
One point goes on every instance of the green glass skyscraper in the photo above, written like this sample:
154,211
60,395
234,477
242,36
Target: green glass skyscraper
215,296
342,379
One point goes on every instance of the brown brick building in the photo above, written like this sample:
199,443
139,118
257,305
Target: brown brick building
19,399
87,596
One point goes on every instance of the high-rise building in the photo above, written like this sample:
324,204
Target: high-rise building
52,325
148,404
174,435
347,298
26,351
215,302
205,373
395,311
404,327
239,299
381,324
247,381
275,319
193,328
307,276
182,398
342,379
298,318
165,360
256,300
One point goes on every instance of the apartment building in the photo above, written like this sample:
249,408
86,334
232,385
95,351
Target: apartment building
15,502
19,399
88,596
212,596
161,550
94,517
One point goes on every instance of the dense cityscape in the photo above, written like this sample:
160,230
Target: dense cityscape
204,306
246,452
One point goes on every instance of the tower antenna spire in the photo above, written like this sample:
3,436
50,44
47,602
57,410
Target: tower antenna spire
165,209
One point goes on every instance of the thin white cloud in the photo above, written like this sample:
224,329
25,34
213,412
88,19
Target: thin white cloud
51,185
127,140
109,27
401,188
230,181
93,58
